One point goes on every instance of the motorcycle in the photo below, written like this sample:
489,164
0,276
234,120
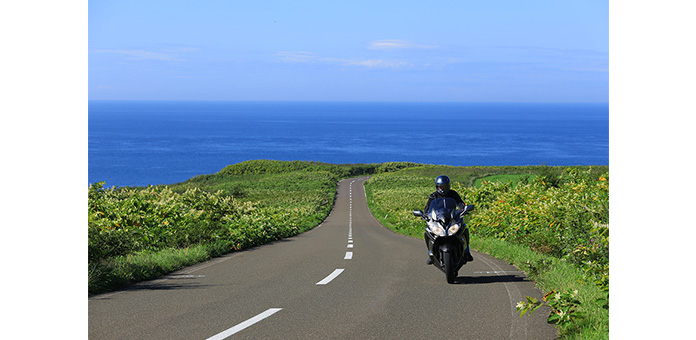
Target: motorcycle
444,235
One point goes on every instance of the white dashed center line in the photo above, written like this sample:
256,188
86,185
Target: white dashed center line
331,276
244,324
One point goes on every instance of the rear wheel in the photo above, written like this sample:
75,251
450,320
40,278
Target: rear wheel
450,271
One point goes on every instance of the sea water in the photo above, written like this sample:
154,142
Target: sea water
137,143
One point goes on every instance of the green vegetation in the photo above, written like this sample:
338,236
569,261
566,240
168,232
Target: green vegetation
505,178
140,233
552,222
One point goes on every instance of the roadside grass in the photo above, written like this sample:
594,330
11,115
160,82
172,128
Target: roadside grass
551,273
392,197
124,270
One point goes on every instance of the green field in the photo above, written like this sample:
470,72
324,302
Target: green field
551,222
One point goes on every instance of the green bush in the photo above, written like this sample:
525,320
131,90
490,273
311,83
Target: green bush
128,220
569,219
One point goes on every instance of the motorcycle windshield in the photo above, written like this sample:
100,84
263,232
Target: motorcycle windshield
442,208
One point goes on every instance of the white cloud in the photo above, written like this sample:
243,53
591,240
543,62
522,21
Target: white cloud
307,57
379,63
183,49
392,44
296,56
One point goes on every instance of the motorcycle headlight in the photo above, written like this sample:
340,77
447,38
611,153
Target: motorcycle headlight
453,229
436,229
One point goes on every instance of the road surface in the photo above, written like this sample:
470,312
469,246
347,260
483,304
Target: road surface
349,278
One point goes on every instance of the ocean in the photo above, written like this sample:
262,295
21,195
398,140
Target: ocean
137,143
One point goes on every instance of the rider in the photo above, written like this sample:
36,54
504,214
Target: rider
442,186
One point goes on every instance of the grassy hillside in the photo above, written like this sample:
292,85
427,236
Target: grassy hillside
140,233
551,222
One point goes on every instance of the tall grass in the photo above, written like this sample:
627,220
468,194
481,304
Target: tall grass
122,270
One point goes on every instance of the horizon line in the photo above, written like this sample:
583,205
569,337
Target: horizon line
346,101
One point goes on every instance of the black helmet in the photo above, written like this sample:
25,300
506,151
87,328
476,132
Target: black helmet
442,184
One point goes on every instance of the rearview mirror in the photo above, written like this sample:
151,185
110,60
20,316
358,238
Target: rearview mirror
418,213
466,209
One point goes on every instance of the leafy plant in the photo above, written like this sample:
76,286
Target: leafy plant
569,221
565,307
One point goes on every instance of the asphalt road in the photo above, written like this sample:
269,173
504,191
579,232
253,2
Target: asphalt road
349,278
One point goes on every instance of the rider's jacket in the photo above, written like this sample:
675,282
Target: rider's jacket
451,193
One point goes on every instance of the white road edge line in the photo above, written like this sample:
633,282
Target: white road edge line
244,324
518,327
331,276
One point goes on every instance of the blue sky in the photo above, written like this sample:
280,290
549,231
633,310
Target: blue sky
454,51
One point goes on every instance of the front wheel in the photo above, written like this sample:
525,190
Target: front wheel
450,270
